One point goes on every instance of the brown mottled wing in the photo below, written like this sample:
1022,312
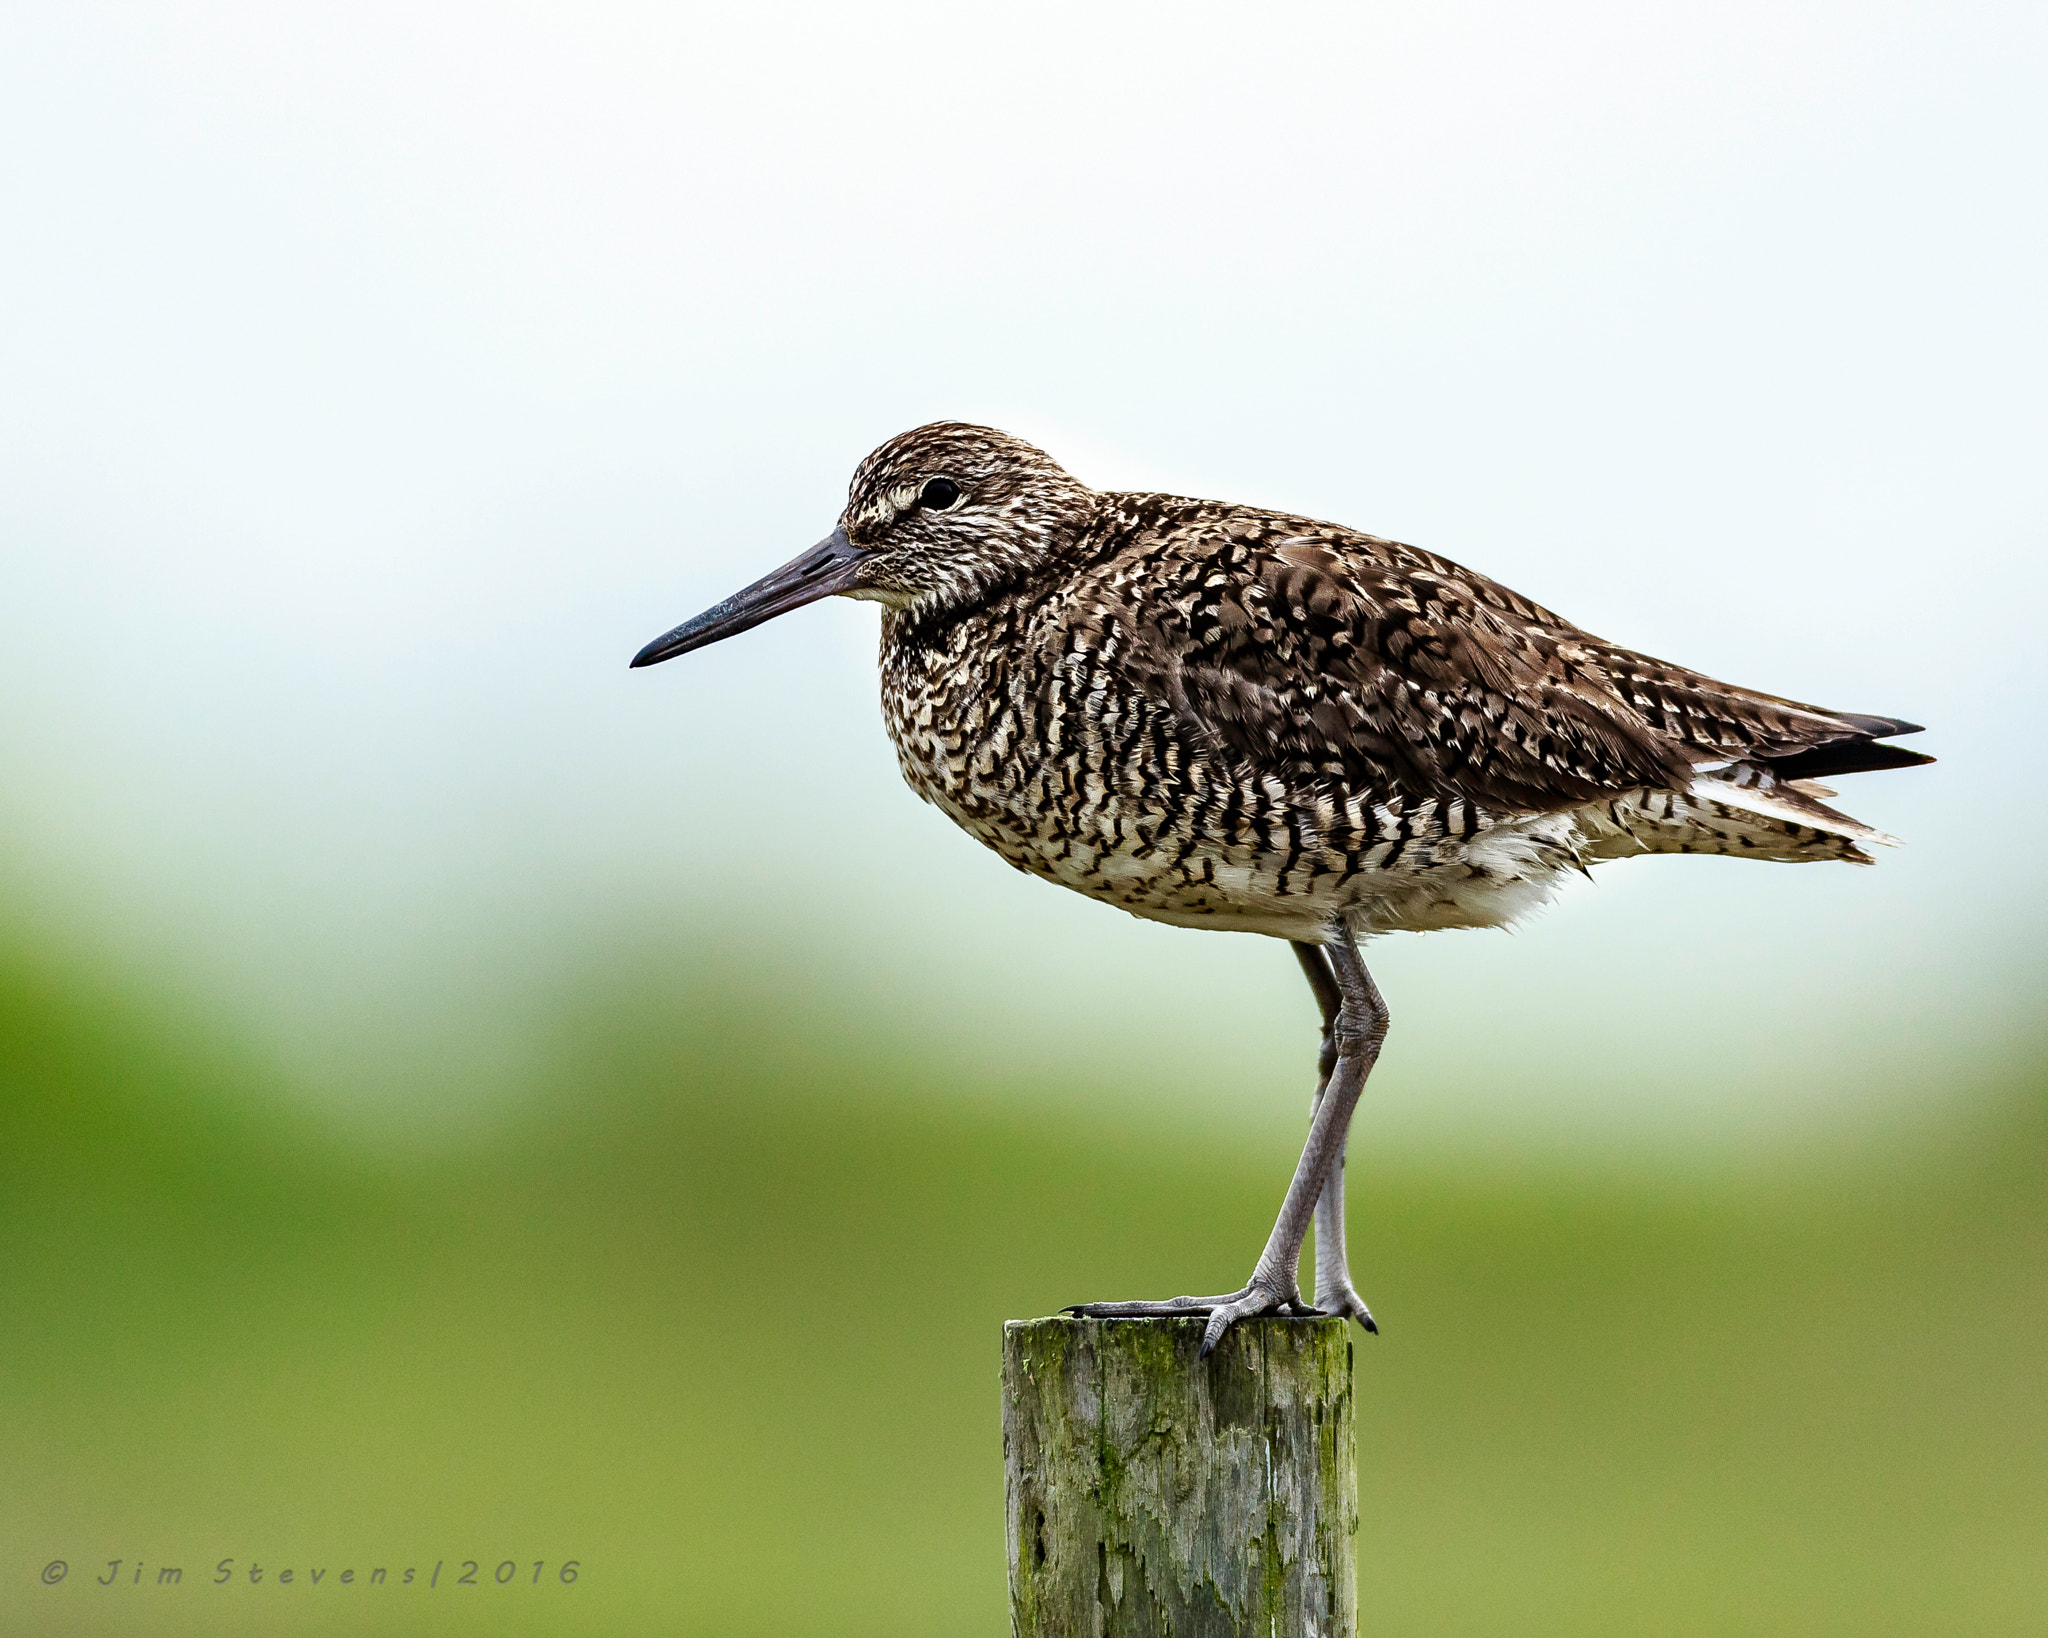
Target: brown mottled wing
1319,656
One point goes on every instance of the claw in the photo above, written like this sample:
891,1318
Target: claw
1350,1303
1253,1299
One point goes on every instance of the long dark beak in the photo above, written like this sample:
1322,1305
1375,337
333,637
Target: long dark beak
826,568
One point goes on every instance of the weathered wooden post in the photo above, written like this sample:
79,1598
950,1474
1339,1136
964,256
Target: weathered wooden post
1153,1492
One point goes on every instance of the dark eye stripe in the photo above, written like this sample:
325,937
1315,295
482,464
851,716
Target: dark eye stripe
938,494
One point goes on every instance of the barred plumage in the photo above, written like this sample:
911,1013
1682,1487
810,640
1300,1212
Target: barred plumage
1217,716
1223,717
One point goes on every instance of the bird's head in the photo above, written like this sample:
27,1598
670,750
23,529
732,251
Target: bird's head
937,520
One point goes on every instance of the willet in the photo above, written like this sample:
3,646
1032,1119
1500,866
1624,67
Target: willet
1217,716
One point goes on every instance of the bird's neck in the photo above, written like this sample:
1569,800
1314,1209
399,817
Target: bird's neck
988,587
930,625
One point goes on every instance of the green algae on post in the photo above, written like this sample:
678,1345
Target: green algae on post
1152,1491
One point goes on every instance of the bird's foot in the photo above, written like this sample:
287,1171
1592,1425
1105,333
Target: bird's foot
1343,1300
1255,1298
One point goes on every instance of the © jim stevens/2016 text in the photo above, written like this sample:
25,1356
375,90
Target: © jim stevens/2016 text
466,1572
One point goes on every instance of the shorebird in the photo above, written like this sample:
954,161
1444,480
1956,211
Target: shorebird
1216,716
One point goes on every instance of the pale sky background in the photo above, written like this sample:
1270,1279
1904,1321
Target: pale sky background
374,380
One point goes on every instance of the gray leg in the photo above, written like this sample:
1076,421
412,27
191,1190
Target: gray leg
1334,1291
1359,1029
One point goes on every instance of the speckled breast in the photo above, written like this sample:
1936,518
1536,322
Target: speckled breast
1023,729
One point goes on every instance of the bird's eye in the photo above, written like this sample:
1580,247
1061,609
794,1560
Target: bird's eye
939,494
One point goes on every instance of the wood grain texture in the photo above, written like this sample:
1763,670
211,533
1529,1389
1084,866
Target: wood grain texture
1152,1492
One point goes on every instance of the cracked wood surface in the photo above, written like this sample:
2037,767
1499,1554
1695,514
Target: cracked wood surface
1151,1492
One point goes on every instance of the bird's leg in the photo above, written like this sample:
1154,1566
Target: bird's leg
1334,1291
1359,1029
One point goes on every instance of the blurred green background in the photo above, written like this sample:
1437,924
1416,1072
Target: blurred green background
719,1320
461,1100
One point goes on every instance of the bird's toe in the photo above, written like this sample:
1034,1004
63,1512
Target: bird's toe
1167,1308
1253,1299
1349,1303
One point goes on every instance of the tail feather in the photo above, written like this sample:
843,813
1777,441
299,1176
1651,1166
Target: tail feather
1744,811
1756,759
1761,790
1847,743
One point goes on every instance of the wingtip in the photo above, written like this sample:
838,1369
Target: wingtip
1880,727
1845,756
